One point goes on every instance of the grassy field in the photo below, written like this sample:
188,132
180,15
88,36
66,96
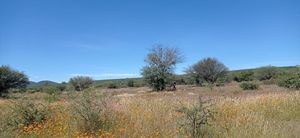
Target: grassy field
270,111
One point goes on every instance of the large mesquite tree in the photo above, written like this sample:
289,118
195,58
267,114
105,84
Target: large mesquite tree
161,61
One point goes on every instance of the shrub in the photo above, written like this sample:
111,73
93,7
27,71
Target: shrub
62,87
222,81
50,89
131,83
93,114
243,76
249,86
180,80
27,113
10,78
266,73
158,73
33,90
209,70
112,85
196,118
81,82
292,82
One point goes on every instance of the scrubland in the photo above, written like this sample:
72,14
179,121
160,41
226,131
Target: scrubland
270,111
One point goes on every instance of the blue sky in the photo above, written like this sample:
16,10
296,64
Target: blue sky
57,39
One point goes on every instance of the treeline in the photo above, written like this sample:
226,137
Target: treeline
158,74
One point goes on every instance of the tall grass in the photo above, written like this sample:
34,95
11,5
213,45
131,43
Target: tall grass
269,115
155,115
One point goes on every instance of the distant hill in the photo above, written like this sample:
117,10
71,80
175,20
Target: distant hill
284,68
41,83
123,82
139,81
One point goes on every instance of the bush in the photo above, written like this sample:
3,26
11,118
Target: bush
180,80
266,73
93,113
131,83
33,90
243,76
81,82
291,82
196,118
62,87
222,81
52,97
27,113
10,78
112,85
249,86
208,70
50,89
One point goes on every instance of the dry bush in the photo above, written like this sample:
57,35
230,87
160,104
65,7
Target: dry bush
196,118
93,114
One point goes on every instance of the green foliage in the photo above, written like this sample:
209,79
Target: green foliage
139,83
10,78
207,70
196,118
157,79
131,83
93,113
291,82
180,80
81,82
158,73
32,90
26,112
266,73
193,78
50,89
112,85
243,76
190,80
120,83
62,87
249,86
223,80
52,97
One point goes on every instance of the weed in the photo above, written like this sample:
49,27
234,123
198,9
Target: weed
196,117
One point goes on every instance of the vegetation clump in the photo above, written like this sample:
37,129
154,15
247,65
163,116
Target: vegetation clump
159,71
10,78
93,114
207,70
81,82
266,73
249,86
111,85
131,83
27,113
243,76
291,82
196,118
51,89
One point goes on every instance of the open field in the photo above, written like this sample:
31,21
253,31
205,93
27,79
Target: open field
270,111
149,69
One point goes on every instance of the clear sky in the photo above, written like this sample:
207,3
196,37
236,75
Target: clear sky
57,39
